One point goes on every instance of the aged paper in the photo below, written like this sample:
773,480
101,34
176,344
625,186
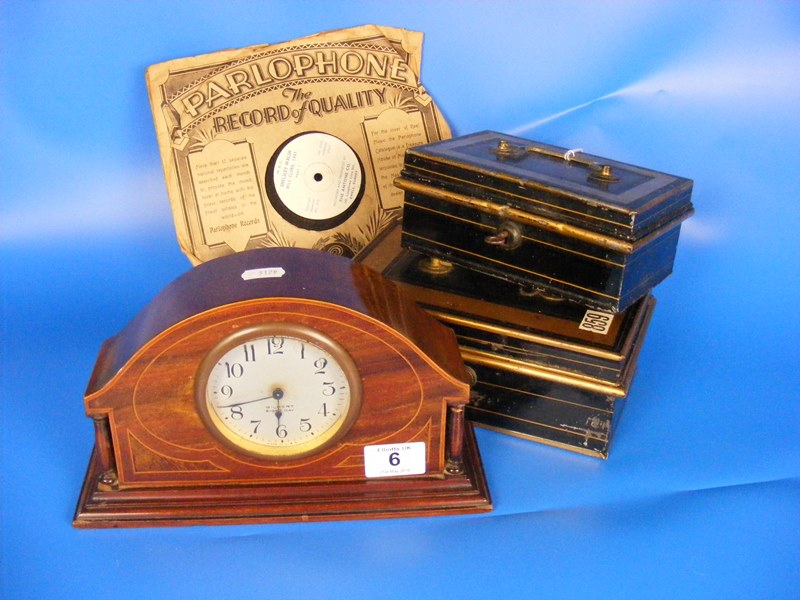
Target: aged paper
292,144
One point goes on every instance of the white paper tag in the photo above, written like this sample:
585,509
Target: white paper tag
597,321
394,460
264,273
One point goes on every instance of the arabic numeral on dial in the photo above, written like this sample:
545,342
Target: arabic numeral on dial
275,345
226,391
305,426
249,352
328,388
281,431
320,365
323,410
234,370
255,429
236,413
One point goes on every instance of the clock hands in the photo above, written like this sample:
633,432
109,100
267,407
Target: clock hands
276,395
280,430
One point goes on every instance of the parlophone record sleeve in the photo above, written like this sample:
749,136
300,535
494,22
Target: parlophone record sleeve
291,144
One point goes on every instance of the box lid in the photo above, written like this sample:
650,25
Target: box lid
568,186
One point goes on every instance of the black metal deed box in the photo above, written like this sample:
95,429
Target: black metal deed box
589,229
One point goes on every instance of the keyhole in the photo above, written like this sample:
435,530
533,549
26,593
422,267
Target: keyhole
507,236
317,176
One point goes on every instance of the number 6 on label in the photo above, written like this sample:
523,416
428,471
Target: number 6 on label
394,460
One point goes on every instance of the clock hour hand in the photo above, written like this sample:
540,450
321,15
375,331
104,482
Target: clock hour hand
278,394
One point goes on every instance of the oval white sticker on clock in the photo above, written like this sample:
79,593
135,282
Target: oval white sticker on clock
263,273
394,460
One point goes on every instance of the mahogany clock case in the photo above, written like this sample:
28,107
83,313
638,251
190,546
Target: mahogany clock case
539,372
157,462
590,229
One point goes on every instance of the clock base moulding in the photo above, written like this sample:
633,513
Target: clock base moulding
101,506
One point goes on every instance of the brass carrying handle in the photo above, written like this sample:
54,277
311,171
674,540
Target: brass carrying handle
598,172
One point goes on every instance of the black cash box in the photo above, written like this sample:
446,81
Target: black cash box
595,231
544,368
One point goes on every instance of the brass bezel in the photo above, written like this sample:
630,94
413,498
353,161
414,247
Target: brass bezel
286,329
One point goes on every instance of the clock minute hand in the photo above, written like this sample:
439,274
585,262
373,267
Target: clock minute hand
246,402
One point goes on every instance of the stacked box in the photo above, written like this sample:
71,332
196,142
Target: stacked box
588,229
543,369
542,260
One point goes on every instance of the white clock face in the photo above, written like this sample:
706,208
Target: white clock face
279,391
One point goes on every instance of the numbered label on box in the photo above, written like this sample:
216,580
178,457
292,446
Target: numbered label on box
596,321
394,460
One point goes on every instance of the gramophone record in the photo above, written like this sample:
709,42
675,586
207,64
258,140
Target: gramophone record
315,180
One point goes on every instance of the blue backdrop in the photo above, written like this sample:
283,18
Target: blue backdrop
700,497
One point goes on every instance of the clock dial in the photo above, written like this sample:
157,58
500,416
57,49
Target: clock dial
278,391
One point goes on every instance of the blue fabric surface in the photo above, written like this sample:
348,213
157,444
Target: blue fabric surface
700,497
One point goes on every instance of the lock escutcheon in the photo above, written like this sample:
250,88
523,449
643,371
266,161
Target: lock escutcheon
507,236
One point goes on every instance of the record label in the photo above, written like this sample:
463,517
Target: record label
315,180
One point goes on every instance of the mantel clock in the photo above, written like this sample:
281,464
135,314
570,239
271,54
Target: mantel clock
279,385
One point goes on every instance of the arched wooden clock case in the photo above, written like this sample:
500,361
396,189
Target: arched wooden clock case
160,459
